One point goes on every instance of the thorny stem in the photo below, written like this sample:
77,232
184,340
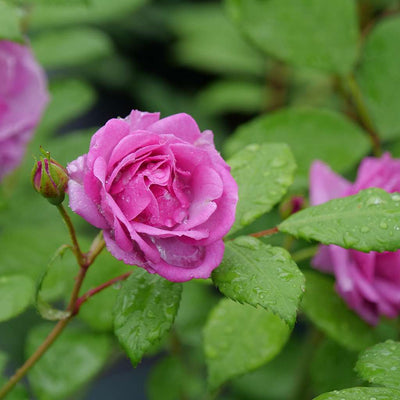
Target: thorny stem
84,260
363,115
267,232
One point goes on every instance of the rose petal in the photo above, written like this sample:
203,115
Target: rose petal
182,126
81,204
212,258
325,184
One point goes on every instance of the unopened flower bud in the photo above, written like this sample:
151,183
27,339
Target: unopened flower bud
50,179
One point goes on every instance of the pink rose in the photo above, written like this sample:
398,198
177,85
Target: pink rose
368,282
160,191
23,97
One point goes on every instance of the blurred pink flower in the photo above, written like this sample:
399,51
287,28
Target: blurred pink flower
160,191
23,97
368,282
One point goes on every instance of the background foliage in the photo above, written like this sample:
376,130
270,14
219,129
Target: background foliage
280,83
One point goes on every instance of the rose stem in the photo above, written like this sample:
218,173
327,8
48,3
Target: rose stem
84,260
363,115
77,250
98,289
267,232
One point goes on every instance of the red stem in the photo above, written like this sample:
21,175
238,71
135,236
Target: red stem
98,289
267,232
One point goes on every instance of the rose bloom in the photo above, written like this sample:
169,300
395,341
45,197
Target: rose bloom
368,282
160,191
23,97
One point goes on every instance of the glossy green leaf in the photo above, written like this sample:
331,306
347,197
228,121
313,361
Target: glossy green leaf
263,173
72,360
312,33
328,312
332,367
258,274
240,338
208,41
9,23
361,393
311,134
71,47
367,221
144,311
379,76
380,364
93,11
16,294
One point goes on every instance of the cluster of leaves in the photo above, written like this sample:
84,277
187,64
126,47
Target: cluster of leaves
298,64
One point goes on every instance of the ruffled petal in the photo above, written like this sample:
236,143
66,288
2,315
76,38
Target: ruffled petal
182,126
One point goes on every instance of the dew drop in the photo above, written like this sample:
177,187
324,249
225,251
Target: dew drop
383,225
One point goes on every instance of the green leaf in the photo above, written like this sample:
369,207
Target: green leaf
72,360
379,77
367,221
97,311
332,367
328,312
240,338
311,134
9,23
16,294
208,41
71,47
93,11
144,311
380,364
70,99
263,174
258,274
170,380
232,96
361,393
311,33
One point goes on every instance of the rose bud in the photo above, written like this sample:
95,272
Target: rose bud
50,179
